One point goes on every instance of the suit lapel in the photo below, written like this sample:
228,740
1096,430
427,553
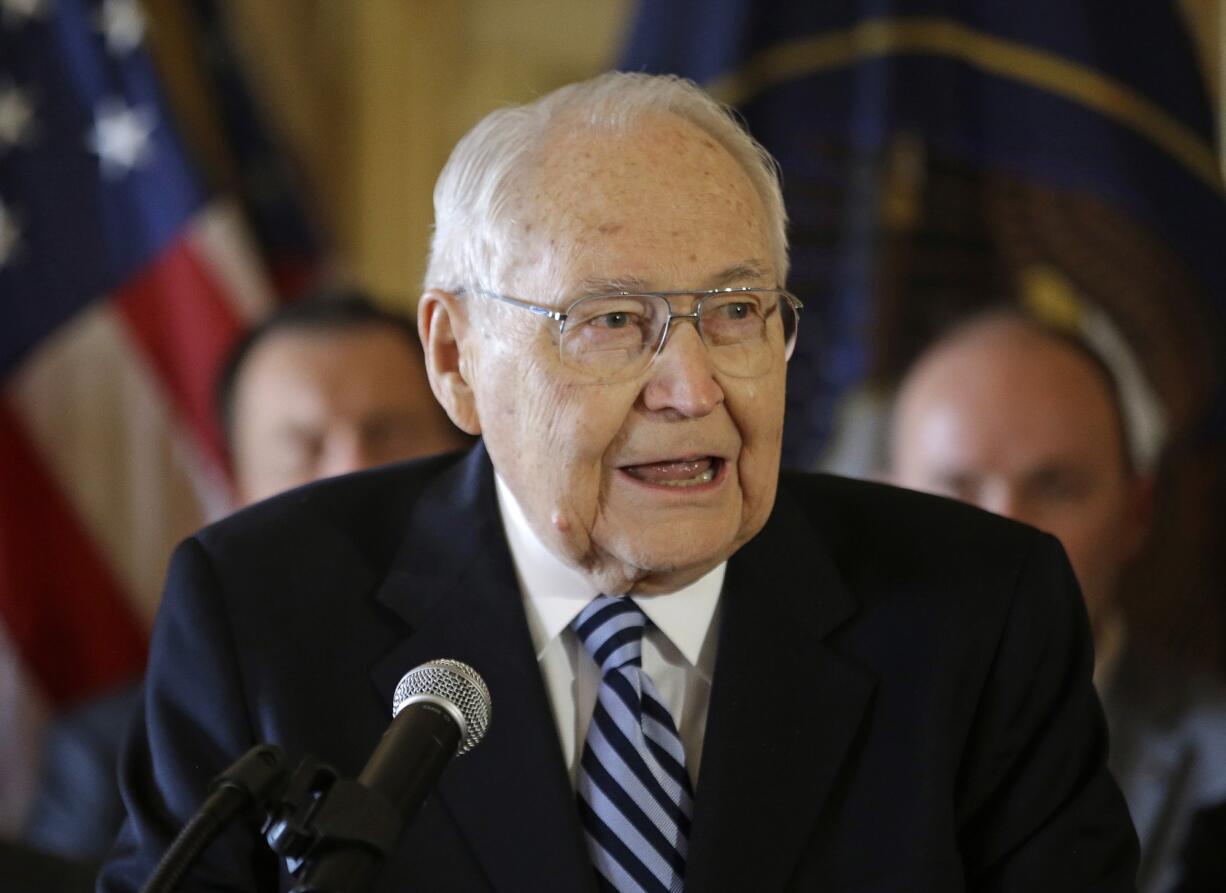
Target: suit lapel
454,584
785,708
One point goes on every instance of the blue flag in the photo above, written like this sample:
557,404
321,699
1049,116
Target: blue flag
936,154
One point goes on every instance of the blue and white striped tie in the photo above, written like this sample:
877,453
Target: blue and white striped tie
633,790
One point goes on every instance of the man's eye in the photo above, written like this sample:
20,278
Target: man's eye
729,311
1062,488
618,320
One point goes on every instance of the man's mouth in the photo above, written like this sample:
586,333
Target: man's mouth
677,473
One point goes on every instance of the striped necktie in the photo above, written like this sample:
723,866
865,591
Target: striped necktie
633,790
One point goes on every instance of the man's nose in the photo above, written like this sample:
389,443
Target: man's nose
682,376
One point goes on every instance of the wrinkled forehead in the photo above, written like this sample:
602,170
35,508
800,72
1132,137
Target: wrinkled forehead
658,202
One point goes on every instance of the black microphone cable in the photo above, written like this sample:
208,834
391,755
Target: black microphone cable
251,782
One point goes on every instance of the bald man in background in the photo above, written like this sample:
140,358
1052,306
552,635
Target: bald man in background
1031,423
330,385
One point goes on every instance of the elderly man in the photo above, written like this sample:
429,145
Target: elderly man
704,674
1031,422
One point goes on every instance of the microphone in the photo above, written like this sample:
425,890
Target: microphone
439,710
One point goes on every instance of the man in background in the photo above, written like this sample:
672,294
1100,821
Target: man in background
326,386
1035,424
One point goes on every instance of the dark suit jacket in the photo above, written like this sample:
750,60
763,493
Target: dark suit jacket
24,869
1168,753
1204,855
77,810
901,698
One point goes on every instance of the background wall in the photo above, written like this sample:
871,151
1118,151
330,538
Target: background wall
373,95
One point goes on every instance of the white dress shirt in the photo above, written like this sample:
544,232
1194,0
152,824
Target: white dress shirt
678,646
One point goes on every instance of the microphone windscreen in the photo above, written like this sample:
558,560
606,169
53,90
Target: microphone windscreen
454,683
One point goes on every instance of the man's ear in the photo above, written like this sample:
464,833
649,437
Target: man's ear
442,323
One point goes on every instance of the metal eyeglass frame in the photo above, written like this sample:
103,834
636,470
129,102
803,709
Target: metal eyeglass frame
560,317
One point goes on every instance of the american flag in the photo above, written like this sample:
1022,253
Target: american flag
122,284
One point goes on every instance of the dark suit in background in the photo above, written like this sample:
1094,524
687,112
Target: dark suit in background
1204,854
901,700
1168,752
77,810
24,869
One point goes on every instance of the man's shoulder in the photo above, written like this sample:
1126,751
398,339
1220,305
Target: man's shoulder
307,562
1171,699
906,556
851,514
369,510
98,719
1168,732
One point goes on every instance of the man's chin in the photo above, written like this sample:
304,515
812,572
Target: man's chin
656,567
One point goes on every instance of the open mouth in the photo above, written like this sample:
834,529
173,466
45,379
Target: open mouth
677,473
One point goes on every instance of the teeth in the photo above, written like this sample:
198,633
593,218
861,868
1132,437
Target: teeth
705,478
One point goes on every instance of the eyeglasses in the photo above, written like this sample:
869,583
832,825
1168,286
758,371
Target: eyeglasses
616,336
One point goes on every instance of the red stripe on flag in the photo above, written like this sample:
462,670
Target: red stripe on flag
182,320
61,604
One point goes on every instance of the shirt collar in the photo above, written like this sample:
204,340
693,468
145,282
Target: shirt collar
554,592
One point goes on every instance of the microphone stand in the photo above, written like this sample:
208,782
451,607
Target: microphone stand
339,847
249,782
334,833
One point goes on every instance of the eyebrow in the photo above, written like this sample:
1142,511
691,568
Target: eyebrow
598,285
751,269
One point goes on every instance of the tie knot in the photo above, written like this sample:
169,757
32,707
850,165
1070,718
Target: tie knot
611,630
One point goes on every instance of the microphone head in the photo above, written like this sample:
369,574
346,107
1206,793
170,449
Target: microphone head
456,683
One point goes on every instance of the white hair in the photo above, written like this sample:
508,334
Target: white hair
476,187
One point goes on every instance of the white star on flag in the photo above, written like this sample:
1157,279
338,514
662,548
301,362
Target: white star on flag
123,24
16,117
120,136
9,236
16,11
